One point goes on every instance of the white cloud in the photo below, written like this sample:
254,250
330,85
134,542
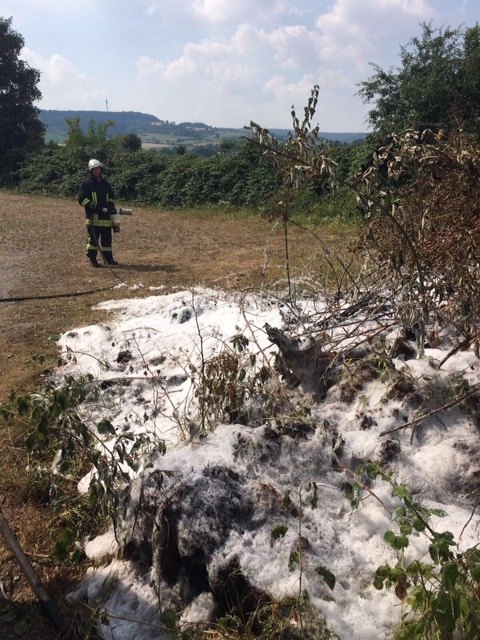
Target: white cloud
294,47
418,8
250,53
250,11
56,70
254,74
356,31
294,93
148,68
62,85
199,60
249,40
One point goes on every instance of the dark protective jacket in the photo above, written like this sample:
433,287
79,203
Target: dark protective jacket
96,194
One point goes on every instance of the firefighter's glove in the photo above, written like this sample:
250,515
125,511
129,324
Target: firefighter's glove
116,229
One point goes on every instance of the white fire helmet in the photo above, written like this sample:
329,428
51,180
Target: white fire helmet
94,163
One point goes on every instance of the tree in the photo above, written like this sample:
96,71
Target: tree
180,150
132,142
436,87
92,143
21,130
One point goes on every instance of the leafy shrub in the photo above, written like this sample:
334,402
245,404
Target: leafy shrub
441,597
53,421
148,177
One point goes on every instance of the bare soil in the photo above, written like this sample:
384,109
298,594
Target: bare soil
47,287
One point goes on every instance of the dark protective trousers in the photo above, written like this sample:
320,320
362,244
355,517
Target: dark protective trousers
102,236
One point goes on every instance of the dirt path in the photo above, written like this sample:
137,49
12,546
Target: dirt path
42,253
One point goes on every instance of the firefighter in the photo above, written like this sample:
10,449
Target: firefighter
96,195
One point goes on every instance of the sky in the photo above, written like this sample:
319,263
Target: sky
151,392
222,62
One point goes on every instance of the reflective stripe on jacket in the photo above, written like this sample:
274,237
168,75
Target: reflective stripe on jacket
97,191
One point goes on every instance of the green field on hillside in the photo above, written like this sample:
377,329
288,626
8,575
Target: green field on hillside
155,132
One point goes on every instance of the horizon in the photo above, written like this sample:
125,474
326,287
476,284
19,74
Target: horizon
240,128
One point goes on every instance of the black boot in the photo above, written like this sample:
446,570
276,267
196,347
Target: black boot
92,256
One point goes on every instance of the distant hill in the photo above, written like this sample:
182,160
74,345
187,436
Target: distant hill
125,121
160,133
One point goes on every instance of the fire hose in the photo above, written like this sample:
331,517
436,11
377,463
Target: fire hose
48,605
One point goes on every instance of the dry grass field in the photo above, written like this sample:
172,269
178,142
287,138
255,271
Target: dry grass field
47,287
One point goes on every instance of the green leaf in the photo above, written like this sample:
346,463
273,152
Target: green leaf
169,618
293,559
419,630
327,575
378,583
382,574
449,575
397,573
30,442
402,492
239,342
384,571
65,539
23,406
475,572
43,425
370,469
278,532
455,600
440,547
347,488
401,542
396,542
389,538
105,426
416,569
465,606
443,612
352,493
400,512
418,524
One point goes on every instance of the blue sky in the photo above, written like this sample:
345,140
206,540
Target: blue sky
222,62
